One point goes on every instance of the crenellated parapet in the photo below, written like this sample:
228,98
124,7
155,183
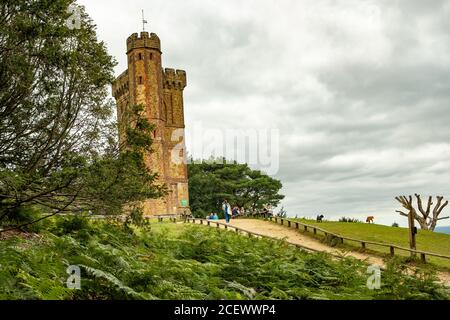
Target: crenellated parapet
174,79
145,40
120,85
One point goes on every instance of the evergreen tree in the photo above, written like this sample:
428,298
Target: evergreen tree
210,182
58,145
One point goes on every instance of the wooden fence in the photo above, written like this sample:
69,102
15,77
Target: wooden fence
218,225
170,217
362,243
306,227
160,218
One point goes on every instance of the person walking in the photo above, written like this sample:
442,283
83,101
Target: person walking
226,210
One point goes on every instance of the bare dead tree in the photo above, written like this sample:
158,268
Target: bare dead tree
428,217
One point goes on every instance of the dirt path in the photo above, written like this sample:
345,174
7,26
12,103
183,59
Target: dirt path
293,236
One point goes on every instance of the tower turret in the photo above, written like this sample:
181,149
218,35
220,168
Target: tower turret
160,91
145,40
144,65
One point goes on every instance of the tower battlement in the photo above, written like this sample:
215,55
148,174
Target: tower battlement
174,79
121,85
144,40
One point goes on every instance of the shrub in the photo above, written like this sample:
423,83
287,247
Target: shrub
200,213
332,240
401,282
136,217
395,225
24,216
351,220
71,224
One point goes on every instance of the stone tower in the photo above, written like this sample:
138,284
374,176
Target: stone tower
160,90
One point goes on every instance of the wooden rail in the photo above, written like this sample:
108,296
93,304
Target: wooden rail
226,226
171,217
161,218
363,243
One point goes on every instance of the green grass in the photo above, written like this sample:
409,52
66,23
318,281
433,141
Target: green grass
426,240
180,261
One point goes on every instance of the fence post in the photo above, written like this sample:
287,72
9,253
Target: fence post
363,245
276,220
315,231
422,257
282,221
289,223
392,251
209,223
306,228
297,226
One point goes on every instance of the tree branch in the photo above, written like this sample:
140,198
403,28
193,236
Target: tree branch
419,205
402,213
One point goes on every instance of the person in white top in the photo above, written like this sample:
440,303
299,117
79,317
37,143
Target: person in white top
226,210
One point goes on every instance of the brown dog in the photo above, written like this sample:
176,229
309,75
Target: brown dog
370,219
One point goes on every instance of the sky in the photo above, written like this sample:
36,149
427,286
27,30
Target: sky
357,92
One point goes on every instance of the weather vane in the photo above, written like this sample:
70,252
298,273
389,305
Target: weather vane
143,21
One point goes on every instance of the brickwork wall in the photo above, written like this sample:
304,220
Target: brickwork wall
161,92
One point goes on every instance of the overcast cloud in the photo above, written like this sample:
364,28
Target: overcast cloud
360,90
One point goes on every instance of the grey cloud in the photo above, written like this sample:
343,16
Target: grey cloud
362,103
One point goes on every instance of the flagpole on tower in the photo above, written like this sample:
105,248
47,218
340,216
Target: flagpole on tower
143,21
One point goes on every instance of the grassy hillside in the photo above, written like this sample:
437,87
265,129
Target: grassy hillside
177,261
426,240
